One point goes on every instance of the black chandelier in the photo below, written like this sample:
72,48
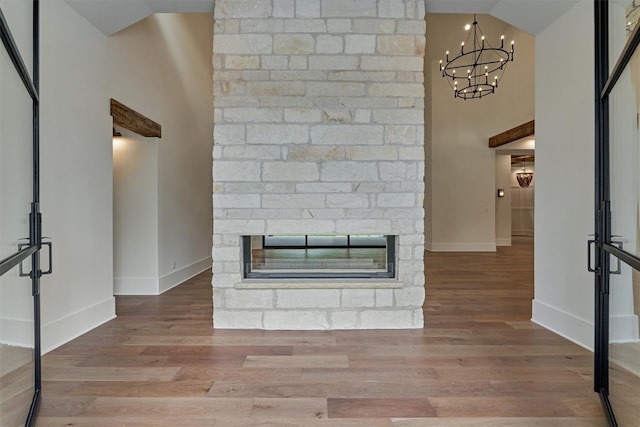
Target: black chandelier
474,73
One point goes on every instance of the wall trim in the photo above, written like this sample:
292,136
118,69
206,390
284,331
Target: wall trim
503,242
16,332
135,286
179,276
567,325
624,329
63,330
462,247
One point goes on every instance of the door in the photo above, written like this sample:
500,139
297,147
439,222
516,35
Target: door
617,206
20,220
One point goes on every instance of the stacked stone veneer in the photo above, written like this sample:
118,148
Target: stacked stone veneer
318,130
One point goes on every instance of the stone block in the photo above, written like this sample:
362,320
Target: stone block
239,226
283,8
236,200
225,280
242,44
392,171
372,213
396,45
293,201
274,62
380,152
232,267
324,187
290,171
237,319
384,297
343,319
403,116
334,115
404,213
329,44
301,226
307,8
338,25
324,214
335,89
225,9
334,62
316,153
374,26
347,200
416,27
229,171
308,298
260,187
411,296
347,135
252,152
294,44
359,44
241,62
411,153
358,298
298,75
248,298
349,9
362,116
400,134
363,76
298,62
261,26
391,9
348,171
228,134
396,200
363,226
255,75
305,26
277,134
253,115
276,88
295,319
386,319
302,115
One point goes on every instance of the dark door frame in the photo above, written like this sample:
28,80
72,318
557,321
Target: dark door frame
605,81
30,249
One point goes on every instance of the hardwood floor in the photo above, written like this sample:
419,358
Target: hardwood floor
478,362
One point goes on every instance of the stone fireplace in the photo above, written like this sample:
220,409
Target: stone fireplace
319,124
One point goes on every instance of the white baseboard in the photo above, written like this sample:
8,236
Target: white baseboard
135,286
16,332
462,247
567,325
503,242
63,330
623,329
179,276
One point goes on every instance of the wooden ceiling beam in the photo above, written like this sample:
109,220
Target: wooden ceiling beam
129,118
514,134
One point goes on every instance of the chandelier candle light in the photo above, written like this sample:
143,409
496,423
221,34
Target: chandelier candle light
474,73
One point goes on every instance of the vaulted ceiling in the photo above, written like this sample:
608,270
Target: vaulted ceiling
111,16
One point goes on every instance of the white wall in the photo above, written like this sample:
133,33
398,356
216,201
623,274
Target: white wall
564,200
76,170
462,166
162,68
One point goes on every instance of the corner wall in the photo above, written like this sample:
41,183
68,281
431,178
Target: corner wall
76,169
161,67
564,201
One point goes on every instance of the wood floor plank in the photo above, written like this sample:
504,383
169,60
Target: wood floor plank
479,362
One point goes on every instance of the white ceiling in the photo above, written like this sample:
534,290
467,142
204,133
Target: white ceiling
111,16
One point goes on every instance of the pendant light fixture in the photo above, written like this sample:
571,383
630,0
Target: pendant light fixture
524,178
477,69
